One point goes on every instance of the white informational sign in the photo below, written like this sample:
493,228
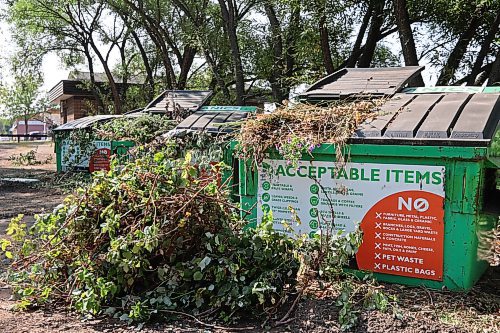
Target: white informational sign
72,156
314,189
399,207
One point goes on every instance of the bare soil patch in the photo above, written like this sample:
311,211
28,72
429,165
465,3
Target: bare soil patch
27,198
43,149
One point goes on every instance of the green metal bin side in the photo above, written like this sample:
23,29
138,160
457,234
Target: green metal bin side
57,150
118,148
467,226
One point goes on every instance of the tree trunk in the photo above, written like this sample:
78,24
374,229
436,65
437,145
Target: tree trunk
276,42
187,61
147,65
290,42
356,49
26,125
153,30
373,34
325,45
215,72
483,52
125,73
453,62
495,71
111,81
94,87
406,39
229,18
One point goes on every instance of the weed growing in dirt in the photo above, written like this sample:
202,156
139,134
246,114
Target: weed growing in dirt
28,158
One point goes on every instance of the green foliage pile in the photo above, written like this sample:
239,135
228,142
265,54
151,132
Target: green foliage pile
141,129
158,237
153,236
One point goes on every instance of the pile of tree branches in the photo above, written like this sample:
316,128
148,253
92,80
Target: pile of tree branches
149,239
299,129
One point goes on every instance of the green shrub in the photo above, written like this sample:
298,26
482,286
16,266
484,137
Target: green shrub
141,129
152,236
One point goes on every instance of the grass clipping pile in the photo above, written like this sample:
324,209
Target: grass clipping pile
301,128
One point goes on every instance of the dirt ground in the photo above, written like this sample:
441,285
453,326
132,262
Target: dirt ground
422,310
26,198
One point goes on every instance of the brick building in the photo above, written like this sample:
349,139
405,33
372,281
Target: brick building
75,99
34,126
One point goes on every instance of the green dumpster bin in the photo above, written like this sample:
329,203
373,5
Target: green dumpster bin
79,156
219,120
420,182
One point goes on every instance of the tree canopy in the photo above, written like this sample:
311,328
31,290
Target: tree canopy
243,49
22,99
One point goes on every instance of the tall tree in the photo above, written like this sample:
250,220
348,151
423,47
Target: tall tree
485,48
74,26
284,24
356,49
406,38
324,36
453,62
374,33
232,12
22,98
494,78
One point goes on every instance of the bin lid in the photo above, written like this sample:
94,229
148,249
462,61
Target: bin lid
189,100
216,119
434,118
84,122
361,82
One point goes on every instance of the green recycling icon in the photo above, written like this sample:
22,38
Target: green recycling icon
266,208
266,186
313,212
314,201
314,189
266,197
313,224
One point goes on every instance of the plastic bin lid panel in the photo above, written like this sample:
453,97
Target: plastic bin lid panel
203,121
442,117
375,126
407,121
84,122
218,120
212,122
446,118
362,81
234,118
186,99
190,120
479,118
